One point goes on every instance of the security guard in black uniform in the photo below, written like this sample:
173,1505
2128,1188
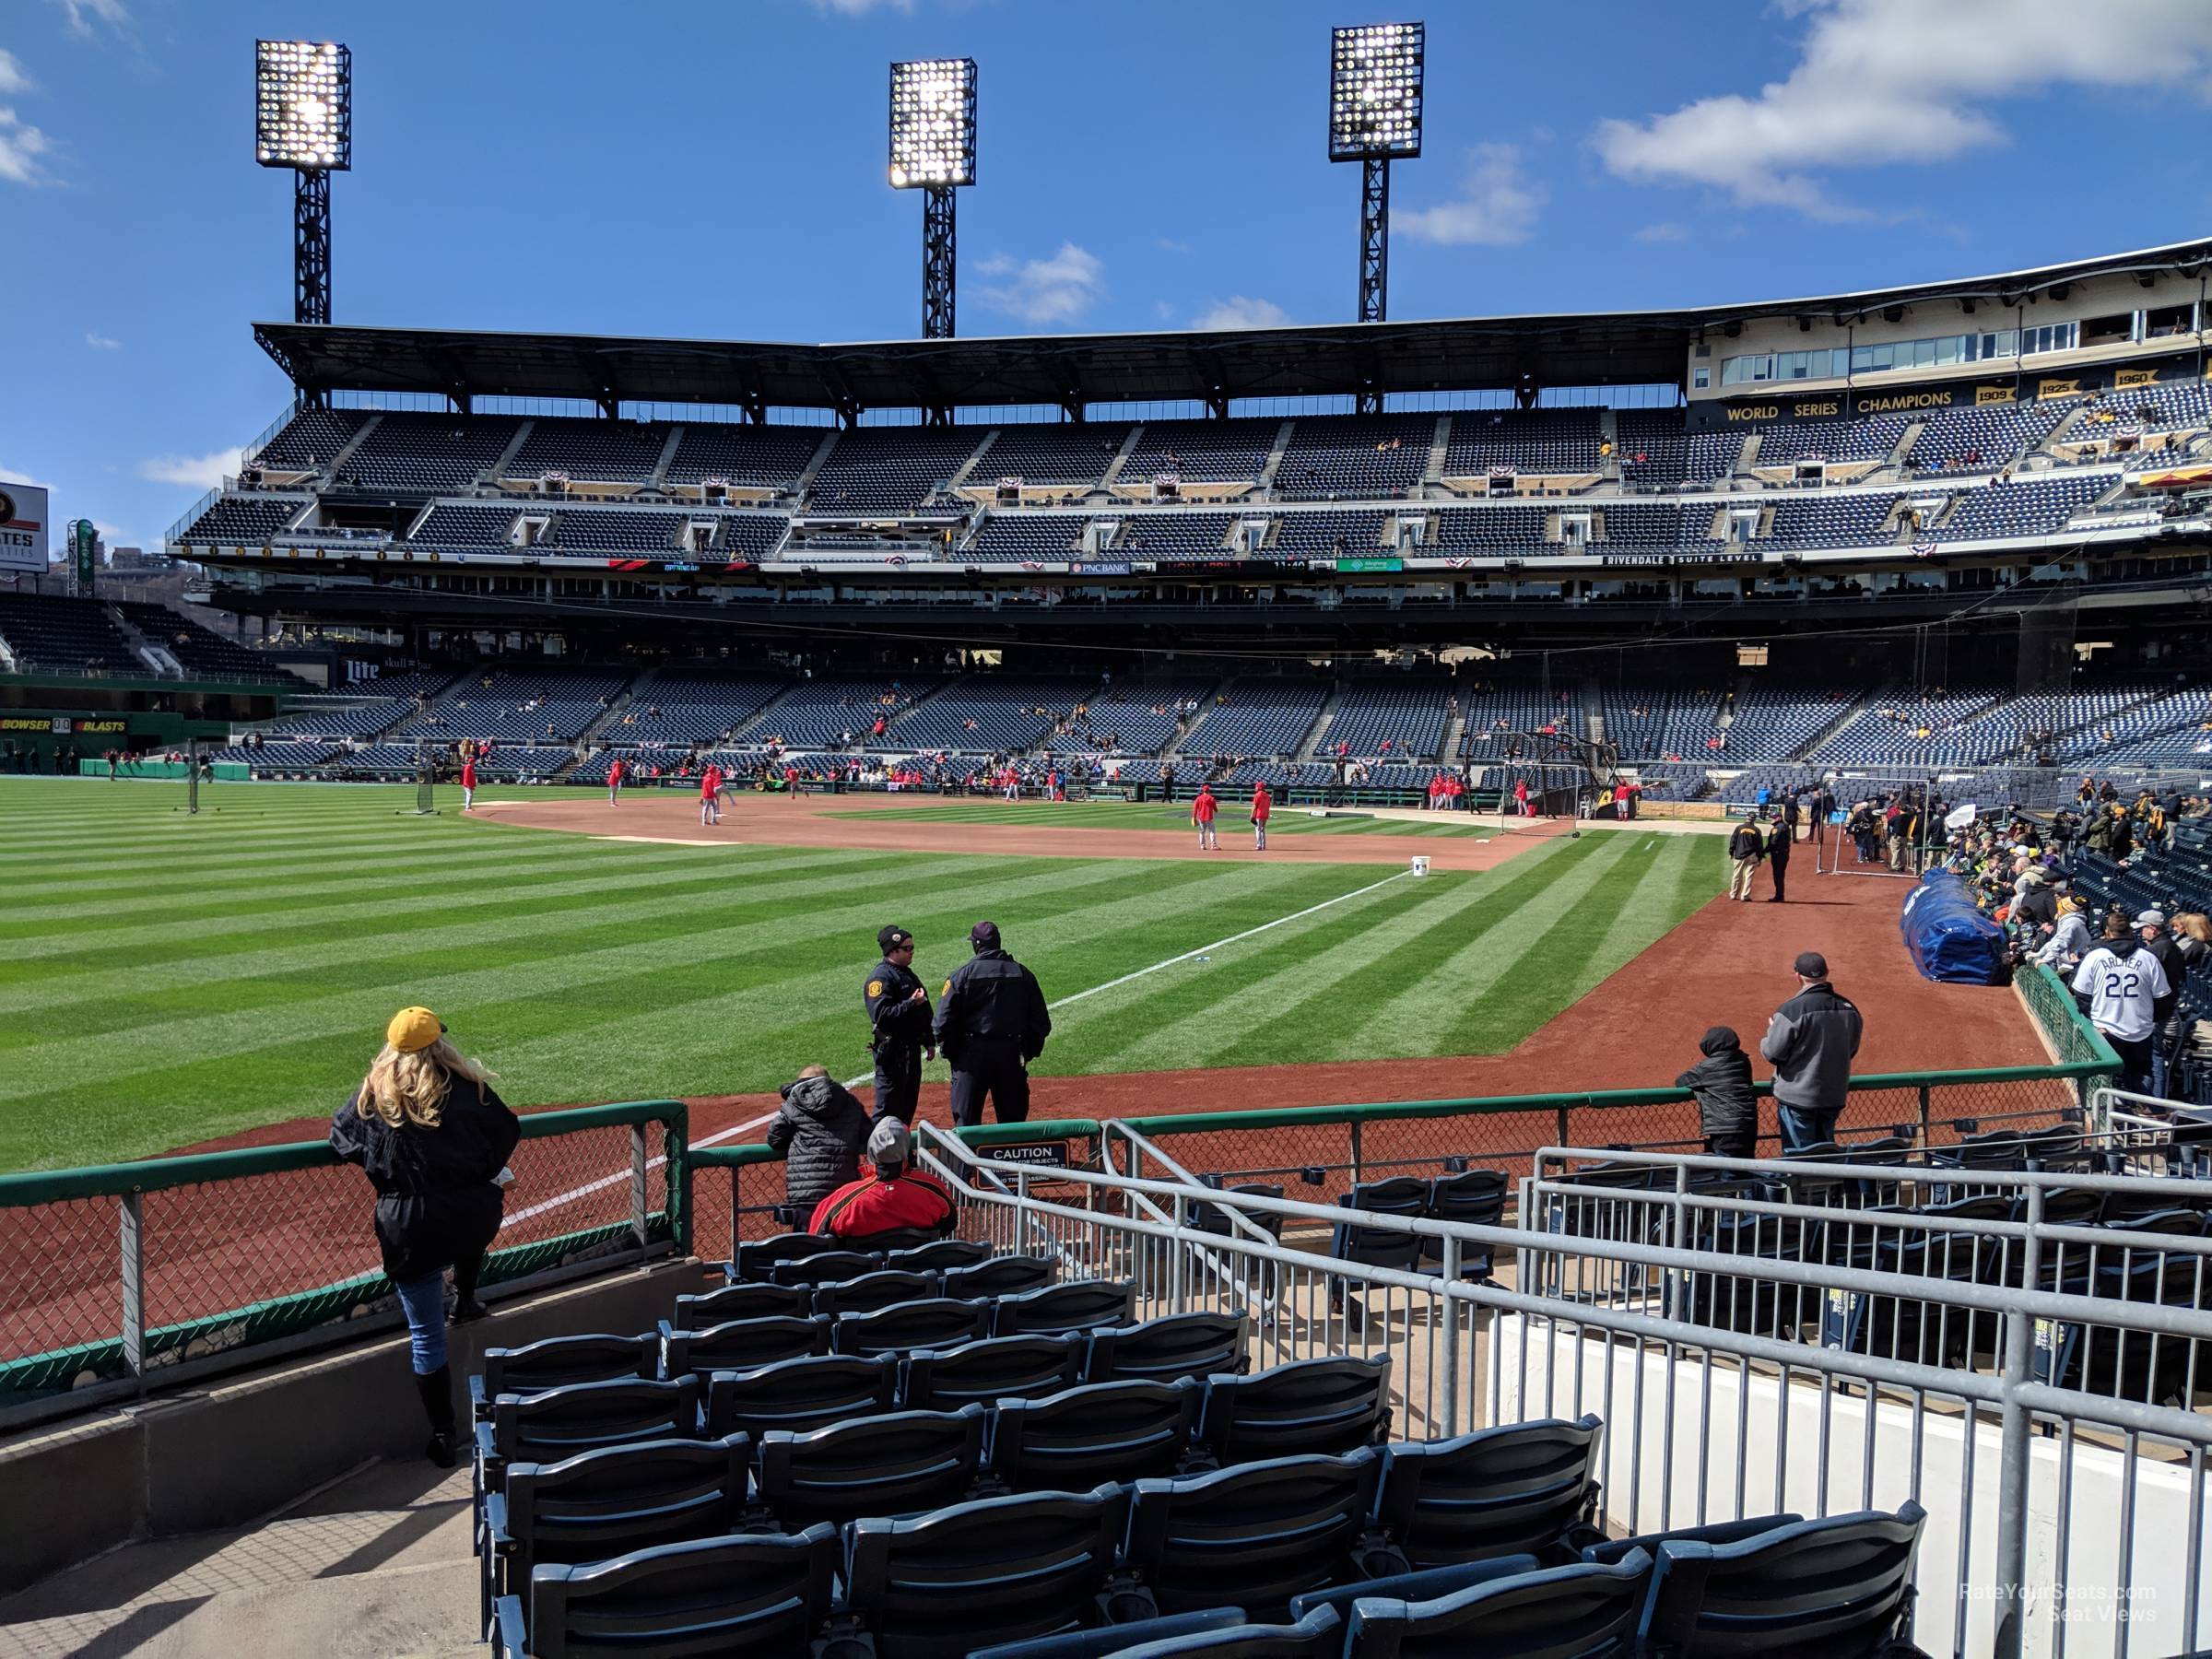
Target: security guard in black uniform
899,1027
991,1023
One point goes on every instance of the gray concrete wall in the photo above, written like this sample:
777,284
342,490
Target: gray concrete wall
229,1453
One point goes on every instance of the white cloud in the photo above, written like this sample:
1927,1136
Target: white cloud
84,13
1243,311
202,472
15,475
1884,82
1497,206
1055,290
1168,244
1666,231
100,342
13,78
21,145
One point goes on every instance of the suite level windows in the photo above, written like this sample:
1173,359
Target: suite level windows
1835,362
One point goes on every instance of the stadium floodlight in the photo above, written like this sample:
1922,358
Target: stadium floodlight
933,150
304,120
1375,118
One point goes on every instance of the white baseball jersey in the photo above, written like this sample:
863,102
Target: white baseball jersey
2121,989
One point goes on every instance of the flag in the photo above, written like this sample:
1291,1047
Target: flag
1922,549
1961,818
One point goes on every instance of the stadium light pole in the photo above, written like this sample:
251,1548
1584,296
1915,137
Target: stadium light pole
304,120
1374,119
933,150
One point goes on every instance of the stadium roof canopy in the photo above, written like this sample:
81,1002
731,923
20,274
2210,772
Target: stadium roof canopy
1071,371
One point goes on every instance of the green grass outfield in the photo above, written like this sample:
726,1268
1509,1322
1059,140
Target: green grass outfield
166,979
1122,815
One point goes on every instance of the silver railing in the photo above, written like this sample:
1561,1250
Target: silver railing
2062,1518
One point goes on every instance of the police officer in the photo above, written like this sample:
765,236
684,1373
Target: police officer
991,1023
898,1028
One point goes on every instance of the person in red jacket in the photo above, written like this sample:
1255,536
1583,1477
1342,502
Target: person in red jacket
710,794
1202,814
1521,798
895,1198
614,780
791,782
1262,808
468,782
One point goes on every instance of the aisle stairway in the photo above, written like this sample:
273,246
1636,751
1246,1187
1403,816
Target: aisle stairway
377,1563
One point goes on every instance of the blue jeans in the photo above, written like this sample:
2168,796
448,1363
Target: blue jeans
423,1301
1803,1125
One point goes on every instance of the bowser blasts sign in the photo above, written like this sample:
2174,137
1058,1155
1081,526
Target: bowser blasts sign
23,526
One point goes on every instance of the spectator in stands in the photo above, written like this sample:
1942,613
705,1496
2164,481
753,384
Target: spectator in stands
2070,939
2150,927
819,1129
433,1139
1745,847
2121,984
1727,1109
1810,1042
894,1198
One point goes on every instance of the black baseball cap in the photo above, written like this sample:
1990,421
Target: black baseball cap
1811,964
983,932
891,938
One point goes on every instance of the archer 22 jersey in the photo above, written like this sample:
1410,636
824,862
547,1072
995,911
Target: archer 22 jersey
2121,989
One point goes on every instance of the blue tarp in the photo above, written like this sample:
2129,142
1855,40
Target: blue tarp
1946,937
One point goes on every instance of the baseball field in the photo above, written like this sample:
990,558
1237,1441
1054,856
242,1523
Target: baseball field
167,979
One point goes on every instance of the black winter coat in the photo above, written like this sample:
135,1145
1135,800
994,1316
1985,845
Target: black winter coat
1721,1081
820,1129
435,1201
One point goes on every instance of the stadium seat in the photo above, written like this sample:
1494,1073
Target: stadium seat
745,1594
1114,1639
1376,1246
997,1367
1319,1635
823,1268
743,1344
610,1502
1082,1305
758,1261
996,1570
741,1301
899,1464
582,1416
1257,1534
940,1256
1180,1345
1423,1585
556,1362
1584,1609
1001,1275
799,1394
1215,1217
1308,1405
1616,1550
1096,1432
896,1242
1840,1586
1522,1488
936,1322
871,1291
1474,1198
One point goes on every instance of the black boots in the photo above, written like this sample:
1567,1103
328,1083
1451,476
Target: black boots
466,1307
437,1392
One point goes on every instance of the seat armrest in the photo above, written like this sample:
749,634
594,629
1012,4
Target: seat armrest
508,1640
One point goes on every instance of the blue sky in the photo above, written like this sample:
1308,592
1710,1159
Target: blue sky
677,166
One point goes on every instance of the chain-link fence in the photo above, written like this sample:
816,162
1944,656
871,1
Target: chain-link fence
116,1277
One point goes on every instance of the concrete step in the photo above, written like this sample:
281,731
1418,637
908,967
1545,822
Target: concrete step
376,1563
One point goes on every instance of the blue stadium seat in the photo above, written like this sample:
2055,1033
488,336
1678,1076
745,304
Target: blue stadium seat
1423,1585
741,1301
871,1292
1001,1275
935,1321
748,1594
580,1417
758,1261
1080,1305
826,1267
996,1570
1841,1587
1257,1534
1180,1345
1308,1405
743,1344
1115,1640
1522,1488
1319,1635
1584,1611
995,1368
944,1255
556,1362
1096,1432
799,1394
897,1464
1474,1198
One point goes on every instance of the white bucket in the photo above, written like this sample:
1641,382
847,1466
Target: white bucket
1420,864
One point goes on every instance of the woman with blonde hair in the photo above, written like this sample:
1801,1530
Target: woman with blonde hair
434,1140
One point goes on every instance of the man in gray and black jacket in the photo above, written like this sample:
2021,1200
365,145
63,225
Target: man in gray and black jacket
1810,1042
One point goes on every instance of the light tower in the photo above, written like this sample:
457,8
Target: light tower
933,150
304,120
1375,118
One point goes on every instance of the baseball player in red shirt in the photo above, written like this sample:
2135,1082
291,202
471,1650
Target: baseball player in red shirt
1263,806
1202,814
614,780
468,782
791,782
710,794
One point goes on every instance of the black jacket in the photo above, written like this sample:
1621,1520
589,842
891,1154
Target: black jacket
894,1019
1721,1081
435,1201
990,998
2170,958
2037,907
1744,842
819,1129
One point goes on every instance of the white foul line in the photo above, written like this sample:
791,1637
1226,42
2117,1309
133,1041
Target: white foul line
1074,996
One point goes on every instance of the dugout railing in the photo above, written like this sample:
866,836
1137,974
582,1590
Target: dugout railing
118,1279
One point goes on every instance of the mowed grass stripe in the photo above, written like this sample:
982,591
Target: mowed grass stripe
1192,1022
